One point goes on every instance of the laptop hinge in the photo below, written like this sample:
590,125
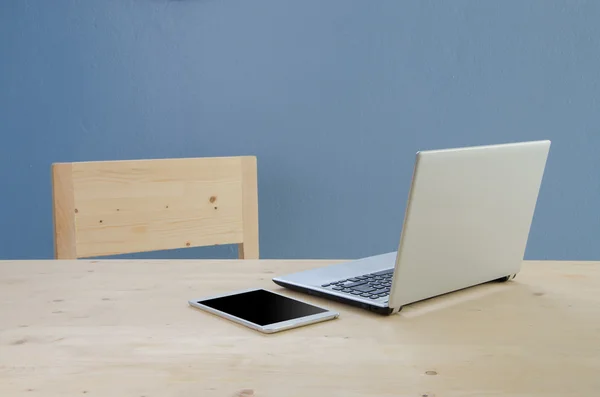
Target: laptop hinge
396,310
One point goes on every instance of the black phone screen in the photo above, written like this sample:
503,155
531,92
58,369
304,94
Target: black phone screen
262,307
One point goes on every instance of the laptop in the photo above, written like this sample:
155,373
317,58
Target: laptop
466,223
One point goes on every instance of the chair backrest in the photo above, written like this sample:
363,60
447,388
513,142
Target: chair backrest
115,207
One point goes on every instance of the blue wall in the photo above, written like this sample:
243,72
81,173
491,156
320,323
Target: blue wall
334,97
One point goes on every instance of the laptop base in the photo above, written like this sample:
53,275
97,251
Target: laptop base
372,308
385,311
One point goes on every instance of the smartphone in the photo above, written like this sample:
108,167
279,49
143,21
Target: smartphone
263,310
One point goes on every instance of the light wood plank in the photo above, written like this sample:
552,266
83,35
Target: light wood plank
123,328
63,213
147,205
249,248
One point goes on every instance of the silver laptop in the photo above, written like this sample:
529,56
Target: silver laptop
466,223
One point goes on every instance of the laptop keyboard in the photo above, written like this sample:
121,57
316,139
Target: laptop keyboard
373,285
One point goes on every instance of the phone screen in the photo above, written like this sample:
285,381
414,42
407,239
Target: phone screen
262,307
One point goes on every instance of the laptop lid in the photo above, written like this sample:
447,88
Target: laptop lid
467,219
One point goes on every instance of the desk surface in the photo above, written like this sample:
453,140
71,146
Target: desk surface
123,328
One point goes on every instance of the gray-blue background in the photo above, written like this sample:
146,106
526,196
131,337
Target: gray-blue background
333,96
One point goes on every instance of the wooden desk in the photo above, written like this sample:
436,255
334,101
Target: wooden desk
123,328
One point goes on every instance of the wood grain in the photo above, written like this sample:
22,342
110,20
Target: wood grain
63,213
123,328
147,205
249,248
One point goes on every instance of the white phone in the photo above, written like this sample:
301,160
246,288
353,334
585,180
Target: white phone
263,310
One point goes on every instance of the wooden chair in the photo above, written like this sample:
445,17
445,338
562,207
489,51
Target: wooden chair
116,207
